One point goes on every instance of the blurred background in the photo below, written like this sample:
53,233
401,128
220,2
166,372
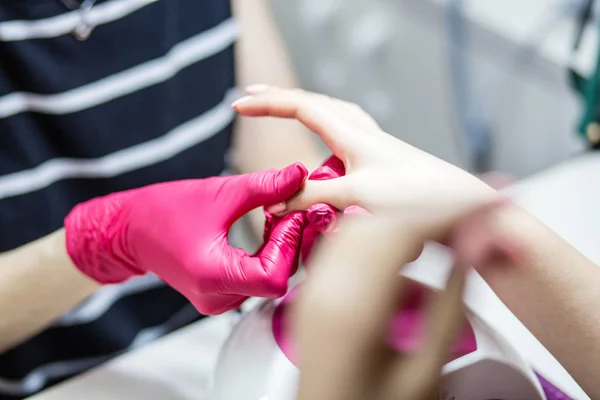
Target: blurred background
480,83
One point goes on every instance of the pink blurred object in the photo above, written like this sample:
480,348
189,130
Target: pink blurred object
406,331
179,231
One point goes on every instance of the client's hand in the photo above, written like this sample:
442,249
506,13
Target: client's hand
382,172
178,230
345,307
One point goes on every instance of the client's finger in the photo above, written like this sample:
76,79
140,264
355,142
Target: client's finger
331,191
318,115
336,192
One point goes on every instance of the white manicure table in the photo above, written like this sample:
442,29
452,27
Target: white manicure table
179,366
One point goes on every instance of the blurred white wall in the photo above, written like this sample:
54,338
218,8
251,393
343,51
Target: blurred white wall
390,57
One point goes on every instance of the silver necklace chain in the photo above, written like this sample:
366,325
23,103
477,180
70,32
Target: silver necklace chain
84,28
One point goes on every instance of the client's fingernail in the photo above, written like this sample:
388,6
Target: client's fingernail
276,208
255,89
241,100
356,210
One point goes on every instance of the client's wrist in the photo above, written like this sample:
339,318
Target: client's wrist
493,238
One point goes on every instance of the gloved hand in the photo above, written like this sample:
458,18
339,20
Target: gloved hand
179,231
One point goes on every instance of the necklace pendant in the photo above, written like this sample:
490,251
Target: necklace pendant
82,31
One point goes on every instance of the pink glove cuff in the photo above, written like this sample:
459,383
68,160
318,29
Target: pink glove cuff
94,240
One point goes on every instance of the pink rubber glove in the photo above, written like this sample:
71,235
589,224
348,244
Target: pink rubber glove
179,231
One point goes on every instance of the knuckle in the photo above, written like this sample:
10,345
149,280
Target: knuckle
300,95
326,98
352,193
351,105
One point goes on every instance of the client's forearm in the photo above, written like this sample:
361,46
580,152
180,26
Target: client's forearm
555,292
38,283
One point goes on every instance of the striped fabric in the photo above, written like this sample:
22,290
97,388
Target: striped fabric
145,99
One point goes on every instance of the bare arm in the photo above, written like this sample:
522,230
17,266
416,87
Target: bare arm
555,292
261,143
38,283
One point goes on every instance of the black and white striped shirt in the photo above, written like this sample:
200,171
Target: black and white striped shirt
145,99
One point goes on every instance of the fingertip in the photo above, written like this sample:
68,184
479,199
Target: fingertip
239,102
336,164
291,180
322,217
298,172
277,209
323,173
280,256
289,230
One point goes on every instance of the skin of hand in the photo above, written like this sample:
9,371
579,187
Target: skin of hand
382,172
343,311
552,289
38,283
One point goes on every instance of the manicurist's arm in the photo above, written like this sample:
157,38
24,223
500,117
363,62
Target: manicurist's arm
38,283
